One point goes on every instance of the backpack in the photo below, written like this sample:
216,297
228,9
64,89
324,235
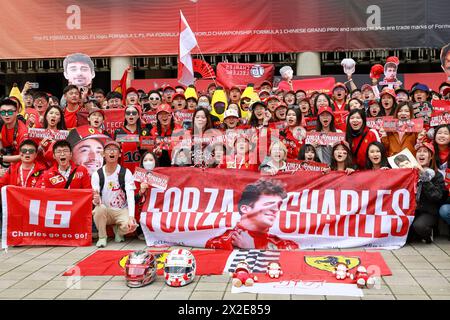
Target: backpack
122,173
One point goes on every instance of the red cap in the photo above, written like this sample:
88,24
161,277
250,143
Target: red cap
388,91
282,104
446,91
366,86
425,144
164,107
325,109
112,143
95,109
168,87
339,85
131,89
342,142
376,71
84,132
235,87
272,97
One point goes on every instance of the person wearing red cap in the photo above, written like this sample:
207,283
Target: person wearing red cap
388,101
430,192
294,134
359,136
178,102
27,172
87,145
211,88
168,92
325,124
373,109
165,128
289,98
131,96
96,119
280,112
241,158
272,103
113,196
339,95
235,94
73,98
131,152
266,86
369,92
65,174
395,142
258,206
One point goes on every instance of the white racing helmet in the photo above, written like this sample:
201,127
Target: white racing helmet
179,268
140,269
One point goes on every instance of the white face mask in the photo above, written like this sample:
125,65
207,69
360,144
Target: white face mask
149,165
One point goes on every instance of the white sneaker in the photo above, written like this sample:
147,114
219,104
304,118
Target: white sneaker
101,243
117,237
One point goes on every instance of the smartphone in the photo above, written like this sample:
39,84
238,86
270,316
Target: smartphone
34,85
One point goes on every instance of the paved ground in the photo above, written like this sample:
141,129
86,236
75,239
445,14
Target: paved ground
420,271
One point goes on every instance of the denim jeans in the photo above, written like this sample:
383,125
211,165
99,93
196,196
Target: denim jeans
444,212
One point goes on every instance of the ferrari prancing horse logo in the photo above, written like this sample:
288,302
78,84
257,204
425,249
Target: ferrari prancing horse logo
327,263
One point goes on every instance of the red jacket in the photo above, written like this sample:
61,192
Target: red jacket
9,140
360,158
292,144
12,176
53,179
262,241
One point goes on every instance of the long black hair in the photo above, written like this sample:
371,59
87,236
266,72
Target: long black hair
348,161
61,124
350,133
436,147
384,161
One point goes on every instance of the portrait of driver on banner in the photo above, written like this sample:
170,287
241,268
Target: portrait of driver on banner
258,206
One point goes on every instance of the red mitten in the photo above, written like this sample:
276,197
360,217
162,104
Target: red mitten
376,71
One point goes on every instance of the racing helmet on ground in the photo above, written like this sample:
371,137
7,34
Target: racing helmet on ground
179,268
140,269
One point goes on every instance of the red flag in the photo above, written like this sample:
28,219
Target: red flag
187,42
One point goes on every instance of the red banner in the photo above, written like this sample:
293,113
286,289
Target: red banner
240,74
334,210
46,217
439,118
324,138
325,85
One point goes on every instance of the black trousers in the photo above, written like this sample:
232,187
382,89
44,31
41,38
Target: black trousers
423,225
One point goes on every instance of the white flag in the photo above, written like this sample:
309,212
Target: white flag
187,43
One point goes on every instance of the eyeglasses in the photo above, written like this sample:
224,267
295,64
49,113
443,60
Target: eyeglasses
157,99
62,152
7,112
131,113
28,151
112,150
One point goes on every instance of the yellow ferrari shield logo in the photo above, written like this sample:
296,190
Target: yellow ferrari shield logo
160,258
327,263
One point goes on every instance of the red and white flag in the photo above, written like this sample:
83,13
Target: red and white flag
187,43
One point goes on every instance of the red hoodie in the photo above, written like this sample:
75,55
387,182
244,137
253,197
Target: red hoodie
12,176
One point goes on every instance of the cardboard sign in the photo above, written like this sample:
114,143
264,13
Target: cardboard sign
310,123
39,133
149,117
440,105
150,143
324,138
395,125
377,123
438,118
127,138
403,159
296,165
153,179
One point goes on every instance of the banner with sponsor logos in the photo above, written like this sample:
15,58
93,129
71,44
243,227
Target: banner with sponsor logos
288,211
36,217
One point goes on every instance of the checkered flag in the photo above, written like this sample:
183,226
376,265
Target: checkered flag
257,260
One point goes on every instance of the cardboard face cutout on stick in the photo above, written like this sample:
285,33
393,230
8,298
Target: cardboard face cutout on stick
390,75
79,69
